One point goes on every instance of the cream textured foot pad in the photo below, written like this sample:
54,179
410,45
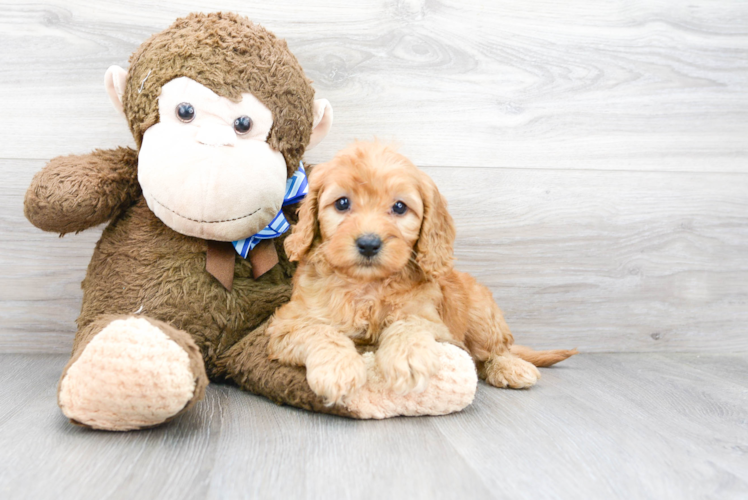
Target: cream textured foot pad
450,390
130,375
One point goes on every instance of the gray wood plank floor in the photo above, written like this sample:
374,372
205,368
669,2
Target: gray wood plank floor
599,426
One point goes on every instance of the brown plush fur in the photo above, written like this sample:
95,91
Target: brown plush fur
140,266
228,54
404,298
77,192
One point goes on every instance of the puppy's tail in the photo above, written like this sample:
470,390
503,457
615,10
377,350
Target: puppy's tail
541,358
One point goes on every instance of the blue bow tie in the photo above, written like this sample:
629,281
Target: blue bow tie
296,188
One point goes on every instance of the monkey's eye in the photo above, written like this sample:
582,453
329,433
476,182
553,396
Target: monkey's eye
185,112
399,208
243,124
342,204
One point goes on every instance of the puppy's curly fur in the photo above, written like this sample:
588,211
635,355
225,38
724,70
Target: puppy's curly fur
375,245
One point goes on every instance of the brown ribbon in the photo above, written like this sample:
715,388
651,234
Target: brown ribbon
221,259
263,258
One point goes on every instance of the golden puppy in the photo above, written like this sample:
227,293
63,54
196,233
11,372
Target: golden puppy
374,241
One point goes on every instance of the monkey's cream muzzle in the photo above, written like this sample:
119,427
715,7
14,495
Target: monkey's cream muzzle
205,177
216,135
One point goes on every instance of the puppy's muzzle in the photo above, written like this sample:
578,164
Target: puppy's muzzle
369,245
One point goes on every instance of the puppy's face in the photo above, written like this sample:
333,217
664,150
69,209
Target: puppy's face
370,212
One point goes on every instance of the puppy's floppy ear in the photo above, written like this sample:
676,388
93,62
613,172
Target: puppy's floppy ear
304,232
435,245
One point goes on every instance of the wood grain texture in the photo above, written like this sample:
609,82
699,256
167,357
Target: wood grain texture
645,85
604,261
585,240
613,426
608,261
599,426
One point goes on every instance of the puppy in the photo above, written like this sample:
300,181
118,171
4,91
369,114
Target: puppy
374,241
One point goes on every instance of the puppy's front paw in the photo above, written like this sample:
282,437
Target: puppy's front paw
334,377
510,371
407,364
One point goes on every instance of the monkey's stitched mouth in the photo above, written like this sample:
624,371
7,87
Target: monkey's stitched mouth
204,221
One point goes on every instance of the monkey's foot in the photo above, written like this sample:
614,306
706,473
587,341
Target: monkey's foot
130,375
451,389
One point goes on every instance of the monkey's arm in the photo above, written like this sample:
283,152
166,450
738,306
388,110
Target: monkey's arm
75,192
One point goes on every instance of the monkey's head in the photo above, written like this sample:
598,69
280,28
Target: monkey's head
221,113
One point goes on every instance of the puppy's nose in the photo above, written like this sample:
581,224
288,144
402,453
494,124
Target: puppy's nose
369,244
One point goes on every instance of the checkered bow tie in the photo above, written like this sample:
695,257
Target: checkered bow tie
296,188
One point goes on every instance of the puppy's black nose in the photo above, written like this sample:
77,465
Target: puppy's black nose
369,245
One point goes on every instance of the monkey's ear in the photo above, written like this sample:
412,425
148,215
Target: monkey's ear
115,80
322,122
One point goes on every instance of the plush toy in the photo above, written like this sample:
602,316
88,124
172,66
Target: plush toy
221,113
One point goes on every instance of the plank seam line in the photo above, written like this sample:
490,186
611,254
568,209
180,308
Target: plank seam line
547,169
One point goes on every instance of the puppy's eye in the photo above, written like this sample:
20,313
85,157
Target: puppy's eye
185,112
399,208
243,124
342,204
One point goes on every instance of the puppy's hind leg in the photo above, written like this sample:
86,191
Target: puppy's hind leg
489,340
508,370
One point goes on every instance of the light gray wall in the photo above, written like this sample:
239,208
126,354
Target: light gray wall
595,155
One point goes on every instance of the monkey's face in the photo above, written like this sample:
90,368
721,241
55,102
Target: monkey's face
206,168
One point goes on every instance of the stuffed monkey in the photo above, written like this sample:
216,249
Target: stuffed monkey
221,113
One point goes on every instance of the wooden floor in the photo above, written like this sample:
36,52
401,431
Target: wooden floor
600,426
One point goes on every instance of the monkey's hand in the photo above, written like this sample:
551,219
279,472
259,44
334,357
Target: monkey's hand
75,192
